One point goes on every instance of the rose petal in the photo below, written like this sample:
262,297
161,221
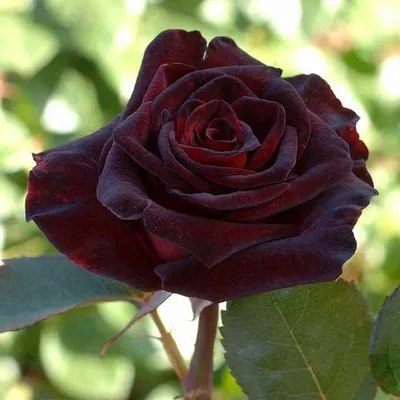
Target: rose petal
284,93
184,112
170,161
207,112
104,153
360,170
165,76
311,258
62,202
358,151
219,136
267,120
235,200
324,163
234,158
341,205
317,254
171,46
119,188
198,168
222,51
209,240
132,135
224,87
278,172
320,99
253,76
174,96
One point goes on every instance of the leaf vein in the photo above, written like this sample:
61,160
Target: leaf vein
303,356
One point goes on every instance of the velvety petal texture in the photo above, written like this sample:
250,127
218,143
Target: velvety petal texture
219,180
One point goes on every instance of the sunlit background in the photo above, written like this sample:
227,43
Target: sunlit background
67,67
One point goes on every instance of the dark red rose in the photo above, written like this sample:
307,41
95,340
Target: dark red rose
220,179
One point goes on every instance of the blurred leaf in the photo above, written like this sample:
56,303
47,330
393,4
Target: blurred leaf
32,289
73,106
366,389
14,5
83,331
383,396
360,61
310,342
78,76
311,15
385,345
91,27
106,94
158,18
81,374
10,197
27,45
14,143
391,264
230,387
182,6
25,346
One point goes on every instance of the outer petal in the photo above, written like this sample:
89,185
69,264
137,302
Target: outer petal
171,46
317,256
209,240
324,243
340,205
119,188
223,51
320,99
62,201
358,151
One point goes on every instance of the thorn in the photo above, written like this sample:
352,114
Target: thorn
154,337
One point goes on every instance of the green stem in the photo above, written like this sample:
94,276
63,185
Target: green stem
175,357
198,383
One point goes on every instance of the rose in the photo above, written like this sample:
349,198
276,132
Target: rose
220,179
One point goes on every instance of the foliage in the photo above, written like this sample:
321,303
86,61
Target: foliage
315,337
67,67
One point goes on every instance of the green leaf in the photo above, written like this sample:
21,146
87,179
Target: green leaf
305,343
32,289
81,373
385,345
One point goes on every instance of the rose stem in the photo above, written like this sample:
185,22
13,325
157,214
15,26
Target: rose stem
198,383
170,347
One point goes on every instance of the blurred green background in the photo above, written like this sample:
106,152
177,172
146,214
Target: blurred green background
67,67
